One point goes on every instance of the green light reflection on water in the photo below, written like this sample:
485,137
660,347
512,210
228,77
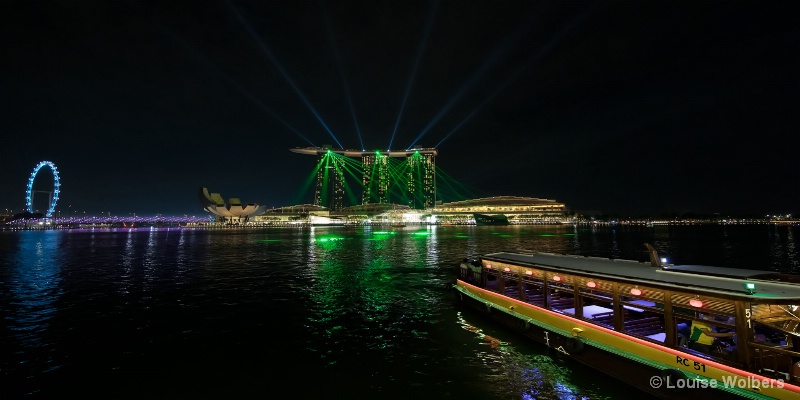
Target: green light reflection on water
382,235
363,286
328,241
354,296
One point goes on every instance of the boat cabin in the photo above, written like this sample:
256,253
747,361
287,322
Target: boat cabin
754,312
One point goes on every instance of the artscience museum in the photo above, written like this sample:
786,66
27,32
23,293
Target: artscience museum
232,211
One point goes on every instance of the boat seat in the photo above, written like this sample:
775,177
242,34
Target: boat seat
646,331
603,315
642,321
562,303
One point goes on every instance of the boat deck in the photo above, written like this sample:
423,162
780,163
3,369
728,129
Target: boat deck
638,321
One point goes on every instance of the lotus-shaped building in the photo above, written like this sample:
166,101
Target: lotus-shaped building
234,209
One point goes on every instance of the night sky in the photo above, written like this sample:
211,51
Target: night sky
629,108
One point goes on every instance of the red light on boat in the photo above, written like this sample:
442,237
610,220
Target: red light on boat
636,292
557,278
506,269
528,272
591,284
696,303
488,266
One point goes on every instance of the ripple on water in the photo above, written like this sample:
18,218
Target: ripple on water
238,313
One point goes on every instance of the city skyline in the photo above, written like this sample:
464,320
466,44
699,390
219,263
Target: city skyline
623,107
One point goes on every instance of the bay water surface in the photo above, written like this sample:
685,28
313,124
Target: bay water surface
314,312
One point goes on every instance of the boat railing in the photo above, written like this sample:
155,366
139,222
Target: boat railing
778,361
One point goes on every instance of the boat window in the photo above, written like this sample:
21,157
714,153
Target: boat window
597,300
533,288
683,324
642,318
784,318
642,297
720,323
644,322
775,341
470,271
594,287
717,347
768,335
562,292
510,282
643,311
598,311
688,304
492,277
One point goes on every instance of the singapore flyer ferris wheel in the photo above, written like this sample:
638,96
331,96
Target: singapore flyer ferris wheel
29,194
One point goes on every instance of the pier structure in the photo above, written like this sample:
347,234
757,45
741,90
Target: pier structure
411,182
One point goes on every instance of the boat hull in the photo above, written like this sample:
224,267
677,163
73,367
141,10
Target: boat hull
559,334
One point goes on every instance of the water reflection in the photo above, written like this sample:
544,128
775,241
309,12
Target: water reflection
34,286
128,255
526,376
368,312
783,249
791,251
370,290
615,249
181,257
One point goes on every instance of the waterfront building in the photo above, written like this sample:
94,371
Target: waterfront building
233,212
289,215
518,210
392,192
372,213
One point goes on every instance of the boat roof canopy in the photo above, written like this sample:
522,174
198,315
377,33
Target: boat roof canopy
771,285
723,272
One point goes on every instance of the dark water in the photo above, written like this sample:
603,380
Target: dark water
302,313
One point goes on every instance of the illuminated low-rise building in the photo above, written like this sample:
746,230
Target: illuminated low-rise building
518,210
233,211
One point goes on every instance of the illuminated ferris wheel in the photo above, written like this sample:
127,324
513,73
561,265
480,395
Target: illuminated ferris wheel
53,194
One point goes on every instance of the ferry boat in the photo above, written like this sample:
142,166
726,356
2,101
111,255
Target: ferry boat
490,219
635,320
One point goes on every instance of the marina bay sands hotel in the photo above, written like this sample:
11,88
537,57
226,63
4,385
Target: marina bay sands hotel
411,181
393,186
